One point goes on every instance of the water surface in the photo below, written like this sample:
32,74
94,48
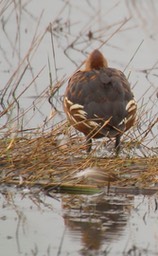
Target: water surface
35,224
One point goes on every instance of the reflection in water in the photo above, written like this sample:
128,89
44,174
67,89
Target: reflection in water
98,219
73,225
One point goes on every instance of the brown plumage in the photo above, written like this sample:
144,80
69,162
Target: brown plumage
98,101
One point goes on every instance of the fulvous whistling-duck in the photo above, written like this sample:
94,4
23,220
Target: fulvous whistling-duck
98,101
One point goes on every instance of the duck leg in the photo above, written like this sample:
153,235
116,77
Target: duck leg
117,144
88,144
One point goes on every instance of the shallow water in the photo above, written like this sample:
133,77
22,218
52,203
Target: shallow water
35,224
31,222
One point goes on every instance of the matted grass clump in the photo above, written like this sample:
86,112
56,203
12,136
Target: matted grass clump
50,161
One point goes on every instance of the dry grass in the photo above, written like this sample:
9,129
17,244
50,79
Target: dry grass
50,153
48,162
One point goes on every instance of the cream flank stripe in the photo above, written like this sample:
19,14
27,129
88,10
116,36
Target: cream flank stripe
67,101
131,105
81,116
76,106
79,113
79,109
72,118
94,124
